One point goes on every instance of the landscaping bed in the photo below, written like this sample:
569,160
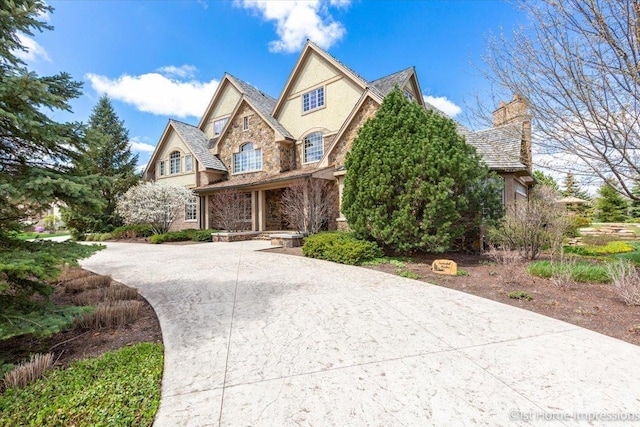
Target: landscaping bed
590,305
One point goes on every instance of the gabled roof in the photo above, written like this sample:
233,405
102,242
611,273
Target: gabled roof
386,84
198,144
261,102
309,48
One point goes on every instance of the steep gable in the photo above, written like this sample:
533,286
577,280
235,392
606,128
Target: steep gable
222,103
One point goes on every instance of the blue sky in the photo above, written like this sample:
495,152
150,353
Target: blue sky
162,59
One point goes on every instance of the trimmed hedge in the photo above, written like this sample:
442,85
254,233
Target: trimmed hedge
340,247
132,231
183,236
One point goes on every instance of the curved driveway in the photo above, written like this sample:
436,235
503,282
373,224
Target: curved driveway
261,339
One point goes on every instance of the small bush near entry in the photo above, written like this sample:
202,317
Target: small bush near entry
120,388
340,247
132,231
183,236
521,295
582,272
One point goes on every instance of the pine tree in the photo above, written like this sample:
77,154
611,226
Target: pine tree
412,182
634,207
109,157
544,179
610,206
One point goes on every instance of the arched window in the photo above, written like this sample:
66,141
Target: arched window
313,148
174,162
249,159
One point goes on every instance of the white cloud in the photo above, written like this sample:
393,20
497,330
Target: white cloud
157,94
137,144
297,21
184,71
34,50
443,104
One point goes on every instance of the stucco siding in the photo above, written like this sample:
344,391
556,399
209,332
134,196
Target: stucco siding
226,103
175,143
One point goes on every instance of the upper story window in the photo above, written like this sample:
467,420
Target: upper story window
313,99
313,148
163,171
245,123
248,159
218,125
174,162
409,96
188,163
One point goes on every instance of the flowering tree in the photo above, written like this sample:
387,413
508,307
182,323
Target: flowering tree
153,203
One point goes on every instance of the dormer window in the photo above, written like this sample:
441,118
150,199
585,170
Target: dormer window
313,148
313,99
174,162
249,159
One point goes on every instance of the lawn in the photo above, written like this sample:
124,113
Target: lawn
33,235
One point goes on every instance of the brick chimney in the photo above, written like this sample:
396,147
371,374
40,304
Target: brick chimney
517,111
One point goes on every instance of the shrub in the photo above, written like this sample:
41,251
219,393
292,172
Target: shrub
626,280
132,231
408,274
88,282
521,295
340,247
575,223
182,236
610,248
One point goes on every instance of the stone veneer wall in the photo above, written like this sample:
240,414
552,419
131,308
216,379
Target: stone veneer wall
366,111
274,219
287,156
262,136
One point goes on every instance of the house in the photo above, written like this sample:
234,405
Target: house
248,141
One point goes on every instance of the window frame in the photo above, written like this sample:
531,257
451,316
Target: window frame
312,98
191,209
307,143
224,121
175,163
162,168
245,123
247,157
188,163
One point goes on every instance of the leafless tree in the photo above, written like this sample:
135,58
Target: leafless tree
230,210
307,205
529,225
578,63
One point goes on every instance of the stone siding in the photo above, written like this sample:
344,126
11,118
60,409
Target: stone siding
274,218
366,111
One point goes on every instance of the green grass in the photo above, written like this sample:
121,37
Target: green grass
120,388
581,271
34,235
395,261
407,273
521,295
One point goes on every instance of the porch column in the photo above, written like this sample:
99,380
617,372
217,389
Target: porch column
262,211
254,211
205,200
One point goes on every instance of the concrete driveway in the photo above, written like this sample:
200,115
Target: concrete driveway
254,338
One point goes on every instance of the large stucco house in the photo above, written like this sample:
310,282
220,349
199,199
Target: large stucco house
248,141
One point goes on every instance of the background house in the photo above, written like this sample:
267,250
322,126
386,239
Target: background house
259,145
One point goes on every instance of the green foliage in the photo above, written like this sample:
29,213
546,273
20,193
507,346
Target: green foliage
610,248
610,206
340,247
132,231
34,235
183,236
35,151
521,295
108,156
544,179
120,388
395,261
581,271
40,319
634,205
408,274
462,272
412,182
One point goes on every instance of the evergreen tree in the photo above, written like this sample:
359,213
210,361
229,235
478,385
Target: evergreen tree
610,206
35,151
108,156
634,207
544,179
413,183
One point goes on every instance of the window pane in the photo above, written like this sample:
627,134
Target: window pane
174,162
218,125
248,159
162,171
190,210
188,163
313,99
313,147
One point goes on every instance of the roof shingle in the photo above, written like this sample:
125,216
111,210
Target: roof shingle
198,143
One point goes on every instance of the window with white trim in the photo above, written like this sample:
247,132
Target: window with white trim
245,123
409,95
313,99
248,159
218,125
188,163
174,162
191,210
313,148
163,172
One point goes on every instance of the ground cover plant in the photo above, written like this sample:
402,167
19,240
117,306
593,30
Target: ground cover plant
120,388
